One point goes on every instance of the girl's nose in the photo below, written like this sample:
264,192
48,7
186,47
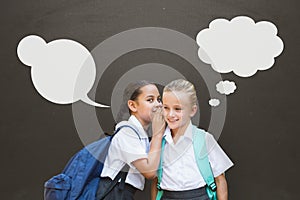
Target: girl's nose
171,113
158,104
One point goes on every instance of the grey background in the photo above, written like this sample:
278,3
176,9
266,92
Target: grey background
261,131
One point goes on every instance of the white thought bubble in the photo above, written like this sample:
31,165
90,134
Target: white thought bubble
226,87
239,45
63,71
214,102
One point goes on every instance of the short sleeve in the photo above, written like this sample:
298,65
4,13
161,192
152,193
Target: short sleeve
218,159
129,146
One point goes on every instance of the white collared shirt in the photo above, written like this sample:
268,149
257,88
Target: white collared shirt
180,170
126,147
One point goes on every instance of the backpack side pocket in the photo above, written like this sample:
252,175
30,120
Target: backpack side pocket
57,187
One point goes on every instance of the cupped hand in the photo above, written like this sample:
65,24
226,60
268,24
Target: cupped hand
158,122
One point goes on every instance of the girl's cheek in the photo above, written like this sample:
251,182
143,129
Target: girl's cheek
165,113
165,116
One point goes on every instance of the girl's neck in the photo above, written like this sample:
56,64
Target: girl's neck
176,133
144,125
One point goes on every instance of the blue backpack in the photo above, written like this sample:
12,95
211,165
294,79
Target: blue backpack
202,161
81,176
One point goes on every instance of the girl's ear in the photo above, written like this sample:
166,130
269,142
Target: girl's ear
194,110
132,105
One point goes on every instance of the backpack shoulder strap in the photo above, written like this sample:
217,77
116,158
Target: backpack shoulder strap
201,156
160,170
124,171
121,175
128,126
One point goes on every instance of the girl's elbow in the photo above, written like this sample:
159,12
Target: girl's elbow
220,179
150,175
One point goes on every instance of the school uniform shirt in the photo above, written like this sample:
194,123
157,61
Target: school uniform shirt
126,147
180,170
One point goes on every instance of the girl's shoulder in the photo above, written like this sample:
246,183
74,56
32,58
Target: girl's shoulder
202,131
208,136
127,129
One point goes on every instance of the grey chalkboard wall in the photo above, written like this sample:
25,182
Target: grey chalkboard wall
261,130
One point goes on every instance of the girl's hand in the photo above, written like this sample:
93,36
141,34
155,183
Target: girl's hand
158,122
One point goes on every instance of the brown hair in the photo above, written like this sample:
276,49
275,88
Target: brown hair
131,92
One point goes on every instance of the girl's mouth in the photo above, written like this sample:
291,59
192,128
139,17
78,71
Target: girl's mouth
172,120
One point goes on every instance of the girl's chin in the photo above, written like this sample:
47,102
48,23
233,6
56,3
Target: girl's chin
172,125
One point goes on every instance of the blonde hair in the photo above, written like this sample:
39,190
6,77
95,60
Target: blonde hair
181,85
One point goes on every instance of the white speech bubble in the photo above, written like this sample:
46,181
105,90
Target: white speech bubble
239,45
226,87
214,102
57,67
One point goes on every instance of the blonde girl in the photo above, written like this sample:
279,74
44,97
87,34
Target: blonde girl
181,178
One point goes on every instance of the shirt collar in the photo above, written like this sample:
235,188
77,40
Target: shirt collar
188,134
136,124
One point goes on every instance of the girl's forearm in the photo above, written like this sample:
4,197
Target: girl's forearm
153,189
148,166
222,190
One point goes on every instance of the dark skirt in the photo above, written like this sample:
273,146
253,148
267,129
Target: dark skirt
118,192
195,194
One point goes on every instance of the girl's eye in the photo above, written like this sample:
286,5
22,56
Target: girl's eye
178,109
150,100
159,99
165,108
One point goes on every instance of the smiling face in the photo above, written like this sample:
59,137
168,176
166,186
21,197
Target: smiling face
178,110
146,102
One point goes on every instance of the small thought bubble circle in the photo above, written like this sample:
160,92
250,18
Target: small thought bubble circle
214,102
226,87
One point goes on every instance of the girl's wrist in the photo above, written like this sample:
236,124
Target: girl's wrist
157,136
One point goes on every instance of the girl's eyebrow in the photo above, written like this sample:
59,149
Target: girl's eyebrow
179,105
151,95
